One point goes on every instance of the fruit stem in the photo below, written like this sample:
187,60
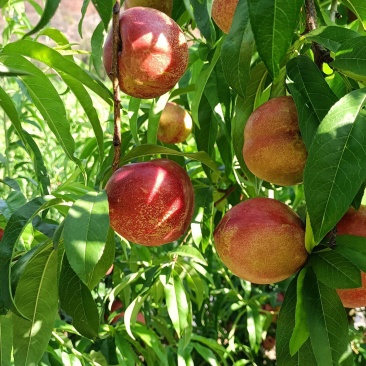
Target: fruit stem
115,76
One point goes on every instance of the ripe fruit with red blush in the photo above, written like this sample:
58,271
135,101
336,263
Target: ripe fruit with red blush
166,6
175,124
273,148
223,12
154,53
261,240
118,305
353,223
150,203
1,233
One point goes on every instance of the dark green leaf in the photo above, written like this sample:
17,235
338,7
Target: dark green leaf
331,37
77,301
48,12
311,93
6,336
36,297
206,354
203,19
126,356
336,165
350,58
83,12
358,7
273,24
11,71
353,248
335,270
85,233
237,49
104,9
327,322
15,200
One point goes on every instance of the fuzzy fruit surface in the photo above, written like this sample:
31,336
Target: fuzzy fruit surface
273,148
166,6
353,223
175,124
1,233
150,203
223,12
261,240
154,54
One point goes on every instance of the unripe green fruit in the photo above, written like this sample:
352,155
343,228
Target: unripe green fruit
261,240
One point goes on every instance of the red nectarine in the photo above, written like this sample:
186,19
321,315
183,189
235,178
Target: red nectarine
154,53
273,148
166,6
261,240
223,12
353,223
1,233
150,203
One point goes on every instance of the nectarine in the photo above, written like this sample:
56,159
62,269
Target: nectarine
261,240
118,305
175,124
273,148
353,223
166,6
150,203
223,12
154,53
1,233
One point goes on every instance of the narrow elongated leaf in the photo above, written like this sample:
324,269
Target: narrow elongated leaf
353,248
104,9
77,301
237,49
331,37
335,270
11,71
149,149
96,42
6,339
327,322
41,172
359,8
83,10
243,109
206,354
190,252
126,356
350,58
336,165
177,303
47,101
55,60
203,19
14,228
3,3
48,12
15,200
311,93
85,233
273,24
37,299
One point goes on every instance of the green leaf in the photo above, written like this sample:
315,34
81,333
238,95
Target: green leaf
311,93
3,3
84,8
13,231
353,248
206,354
96,43
177,303
237,50
327,322
6,336
55,60
104,9
49,11
125,355
36,297
149,149
202,16
359,8
350,59
11,71
190,252
336,165
77,301
85,233
47,101
243,109
273,24
331,37
15,200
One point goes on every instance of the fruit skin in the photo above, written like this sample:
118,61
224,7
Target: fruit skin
273,148
154,53
175,124
166,6
353,223
116,305
1,233
223,12
261,240
150,203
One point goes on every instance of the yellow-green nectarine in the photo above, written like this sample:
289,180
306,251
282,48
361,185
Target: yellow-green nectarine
261,240
223,12
273,148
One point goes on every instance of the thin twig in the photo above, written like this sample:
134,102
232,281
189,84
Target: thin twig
333,10
115,76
